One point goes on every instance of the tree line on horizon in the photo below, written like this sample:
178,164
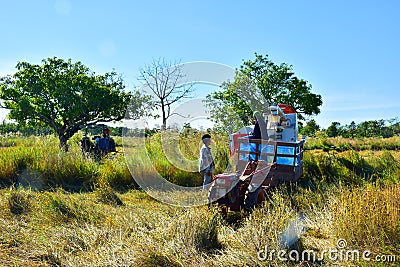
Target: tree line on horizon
371,128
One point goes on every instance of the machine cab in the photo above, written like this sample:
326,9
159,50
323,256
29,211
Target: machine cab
282,148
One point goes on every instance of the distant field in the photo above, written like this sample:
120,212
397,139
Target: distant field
86,213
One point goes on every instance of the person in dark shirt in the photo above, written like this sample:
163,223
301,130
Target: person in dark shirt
260,128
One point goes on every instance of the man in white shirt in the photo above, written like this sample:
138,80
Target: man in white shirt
206,162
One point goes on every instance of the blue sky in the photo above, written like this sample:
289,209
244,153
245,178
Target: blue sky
348,50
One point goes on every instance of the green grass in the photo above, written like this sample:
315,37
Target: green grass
358,144
41,157
72,171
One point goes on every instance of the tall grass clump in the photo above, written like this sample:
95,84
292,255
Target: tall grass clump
106,195
322,168
262,228
199,230
170,161
350,168
175,156
66,207
359,144
13,160
186,239
369,216
19,202
67,169
42,156
387,167
8,141
114,172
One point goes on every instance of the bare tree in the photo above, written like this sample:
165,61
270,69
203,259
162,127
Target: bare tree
166,81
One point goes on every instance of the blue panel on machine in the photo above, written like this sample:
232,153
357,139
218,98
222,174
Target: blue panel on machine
284,160
264,148
287,150
248,147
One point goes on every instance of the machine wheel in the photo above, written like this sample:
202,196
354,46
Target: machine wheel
254,199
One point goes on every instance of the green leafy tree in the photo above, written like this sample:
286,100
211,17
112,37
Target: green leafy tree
333,130
394,125
300,126
352,129
311,128
372,128
260,81
66,96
